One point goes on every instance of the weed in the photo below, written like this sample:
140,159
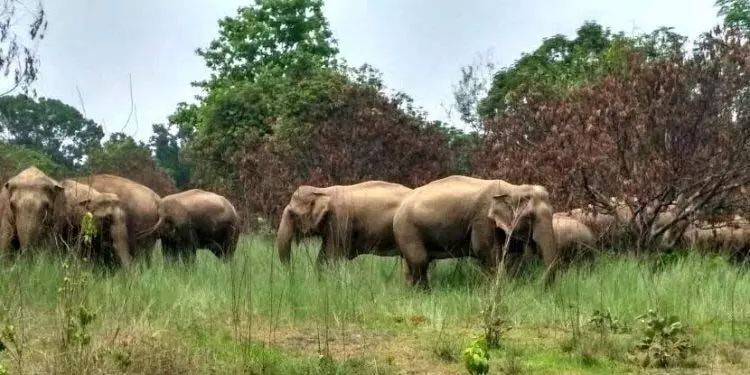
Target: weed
664,341
604,321
476,357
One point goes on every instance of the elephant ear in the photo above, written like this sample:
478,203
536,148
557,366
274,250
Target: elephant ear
501,211
321,206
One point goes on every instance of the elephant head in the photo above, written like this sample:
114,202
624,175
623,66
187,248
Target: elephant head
172,216
111,218
527,216
303,216
34,200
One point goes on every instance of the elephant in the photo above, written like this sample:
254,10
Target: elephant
32,205
195,219
110,244
352,219
460,216
604,226
732,236
141,210
574,238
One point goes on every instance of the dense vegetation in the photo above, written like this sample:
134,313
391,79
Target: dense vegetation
598,115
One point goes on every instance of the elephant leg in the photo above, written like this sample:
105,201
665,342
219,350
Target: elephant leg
169,250
514,258
322,258
6,239
189,254
227,245
414,252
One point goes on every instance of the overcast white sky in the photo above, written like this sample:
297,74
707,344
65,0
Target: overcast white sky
418,45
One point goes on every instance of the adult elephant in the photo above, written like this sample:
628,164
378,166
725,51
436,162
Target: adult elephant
141,208
32,205
352,219
195,219
459,216
110,245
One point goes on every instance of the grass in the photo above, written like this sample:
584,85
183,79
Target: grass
254,316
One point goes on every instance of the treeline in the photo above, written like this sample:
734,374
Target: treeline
599,115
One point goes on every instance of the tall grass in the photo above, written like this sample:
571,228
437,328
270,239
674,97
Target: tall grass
215,315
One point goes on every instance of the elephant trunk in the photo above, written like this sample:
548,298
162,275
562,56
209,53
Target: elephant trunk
119,234
544,237
29,228
284,236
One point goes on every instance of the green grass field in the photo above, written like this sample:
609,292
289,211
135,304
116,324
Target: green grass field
252,316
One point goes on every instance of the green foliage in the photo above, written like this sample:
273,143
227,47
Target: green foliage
19,57
88,228
560,64
15,158
50,126
476,356
664,341
288,36
735,12
604,321
168,151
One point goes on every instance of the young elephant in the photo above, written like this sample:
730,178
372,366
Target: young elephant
32,206
110,244
352,219
196,219
140,204
461,216
574,238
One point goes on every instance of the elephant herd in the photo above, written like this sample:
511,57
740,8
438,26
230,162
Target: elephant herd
494,221
460,216
38,211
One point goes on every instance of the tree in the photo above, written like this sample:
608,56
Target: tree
18,57
260,65
123,156
471,88
291,35
662,130
15,158
50,126
736,13
168,150
560,64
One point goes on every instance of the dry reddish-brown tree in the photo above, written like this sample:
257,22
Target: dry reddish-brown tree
364,136
663,129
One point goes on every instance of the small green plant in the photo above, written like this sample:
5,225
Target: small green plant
76,319
88,228
476,357
664,341
3,370
11,344
604,321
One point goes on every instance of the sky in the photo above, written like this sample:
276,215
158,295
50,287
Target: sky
101,49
